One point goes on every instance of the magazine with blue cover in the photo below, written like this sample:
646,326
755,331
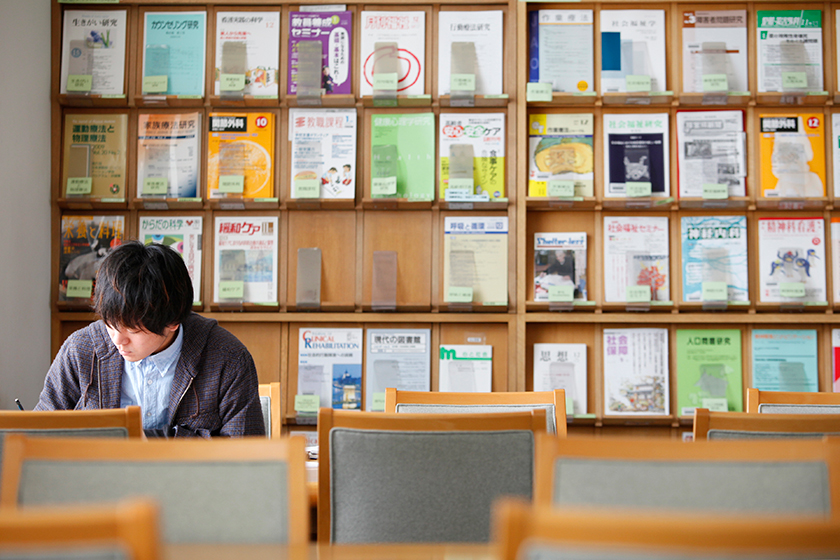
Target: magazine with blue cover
714,249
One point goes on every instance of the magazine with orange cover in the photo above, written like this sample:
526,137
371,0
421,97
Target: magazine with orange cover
240,155
792,155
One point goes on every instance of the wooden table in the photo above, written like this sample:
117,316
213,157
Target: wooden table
434,551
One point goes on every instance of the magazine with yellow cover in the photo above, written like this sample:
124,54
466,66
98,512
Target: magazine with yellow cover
94,155
240,155
792,155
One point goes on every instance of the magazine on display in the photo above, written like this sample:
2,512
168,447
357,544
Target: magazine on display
240,158
789,50
636,253
330,366
715,51
174,53
714,249
560,149
466,368
93,52
408,30
85,242
248,43
485,132
562,366
398,358
333,29
636,150
784,360
323,150
791,260
245,260
792,155
95,150
561,49
711,149
709,370
636,372
485,31
168,154
632,45
560,260
181,233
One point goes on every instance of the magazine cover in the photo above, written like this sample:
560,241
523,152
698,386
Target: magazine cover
333,30
245,259
714,51
636,150
636,372
402,155
792,155
240,146
398,358
560,149
562,366
181,233
324,150
168,149
711,149
248,43
95,149
485,30
485,132
408,30
330,366
789,50
93,44
636,253
559,260
791,259
561,49
466,368
85,242
709,370
714,249
632,44
174,51
784,360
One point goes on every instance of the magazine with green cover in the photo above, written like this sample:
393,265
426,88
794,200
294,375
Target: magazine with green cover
709,370
403,156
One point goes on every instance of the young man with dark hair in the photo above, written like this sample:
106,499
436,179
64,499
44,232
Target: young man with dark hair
190,376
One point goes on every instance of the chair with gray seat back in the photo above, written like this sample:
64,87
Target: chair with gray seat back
524,532
249,490
742,425
796,477
425,402
792,402
111,423
419,477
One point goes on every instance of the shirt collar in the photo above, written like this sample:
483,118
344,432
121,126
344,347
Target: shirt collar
163,359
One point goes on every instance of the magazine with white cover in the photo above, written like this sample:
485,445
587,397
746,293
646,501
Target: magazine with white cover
485,31
249,43
559,260
562,366
324,149
408,30
485,132
561,49
182,233
636,253
632,44
93,44
711,149
560,148
475,263
636,151
714,51
330,366
791,259
636,372
169,154
714,249
466,368
789,50
398,358
245,259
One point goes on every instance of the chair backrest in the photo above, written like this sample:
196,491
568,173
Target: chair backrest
526,532
425,402
792,402
271,409
109,423
743,425
797,477
127,530
419,477
222,491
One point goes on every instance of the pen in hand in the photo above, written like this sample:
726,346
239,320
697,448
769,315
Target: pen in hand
17,402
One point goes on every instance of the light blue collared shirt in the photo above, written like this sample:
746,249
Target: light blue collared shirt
147,383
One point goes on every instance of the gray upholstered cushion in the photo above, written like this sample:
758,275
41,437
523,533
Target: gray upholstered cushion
87,553
420,408
547,551
774,408
265,404
745,434
783,487
388,486
224,502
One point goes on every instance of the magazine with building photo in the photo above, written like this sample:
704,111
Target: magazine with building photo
792,155
333,29
466,368
714,249
636,372
248,43
475,262
791,259
330,366
485,30
785,360
636,253
561,49
711,149
632,44
562,366
85,242
324,149
636,150
182,233
408,30
560,149
245,259
485,132
560,260
709,370
93,44
789,50
169,148
398,358
714,44
95,149
174,51
240,146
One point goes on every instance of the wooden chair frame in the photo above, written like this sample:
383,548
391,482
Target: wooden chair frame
133,524
556,397
514,521
328,419
756,397
129,418
272,390
19,448
704,420
826,450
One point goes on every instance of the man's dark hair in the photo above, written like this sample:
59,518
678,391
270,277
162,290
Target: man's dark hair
143,287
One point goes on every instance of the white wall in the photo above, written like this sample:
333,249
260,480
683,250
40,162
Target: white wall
24,199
